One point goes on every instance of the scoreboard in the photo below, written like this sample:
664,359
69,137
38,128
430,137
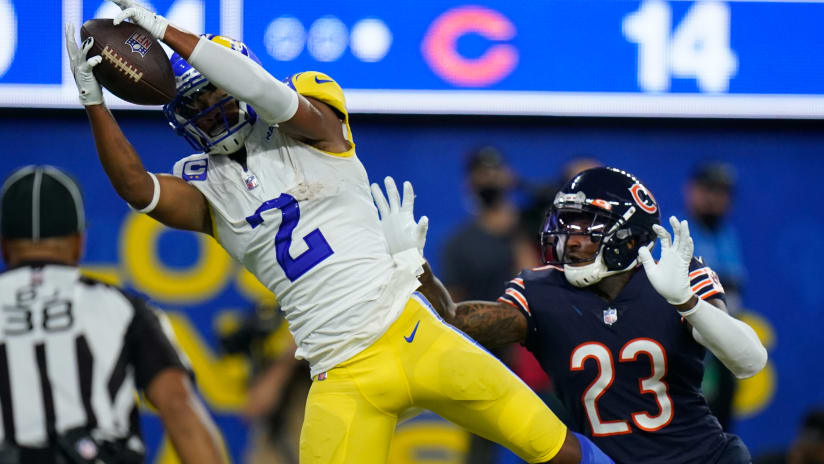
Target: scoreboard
762,59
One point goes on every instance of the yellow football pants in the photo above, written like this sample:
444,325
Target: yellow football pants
422,361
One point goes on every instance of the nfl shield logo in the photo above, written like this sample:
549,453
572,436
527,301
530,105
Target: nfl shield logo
140,43
86,448
610,316
251,182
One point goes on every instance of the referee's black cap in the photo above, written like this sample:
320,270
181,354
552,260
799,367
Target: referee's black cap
39,202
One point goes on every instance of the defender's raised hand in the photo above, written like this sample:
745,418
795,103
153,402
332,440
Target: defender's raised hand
397,218
140,15
670,276
88,88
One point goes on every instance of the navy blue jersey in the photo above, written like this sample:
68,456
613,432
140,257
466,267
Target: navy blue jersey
629,370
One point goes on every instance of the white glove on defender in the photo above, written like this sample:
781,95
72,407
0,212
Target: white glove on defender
399,227
87,86
138,14
670,276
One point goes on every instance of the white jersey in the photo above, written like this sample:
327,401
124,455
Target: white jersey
303,222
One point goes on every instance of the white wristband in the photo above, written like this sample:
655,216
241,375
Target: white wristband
691,310
155,197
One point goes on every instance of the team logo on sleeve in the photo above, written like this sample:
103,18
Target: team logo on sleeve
139,43
643,198
195,169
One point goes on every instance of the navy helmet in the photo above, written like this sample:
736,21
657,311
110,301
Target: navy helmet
619,210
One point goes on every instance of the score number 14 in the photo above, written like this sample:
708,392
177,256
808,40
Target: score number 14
699,48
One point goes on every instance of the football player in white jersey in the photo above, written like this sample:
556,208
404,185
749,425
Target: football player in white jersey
278,184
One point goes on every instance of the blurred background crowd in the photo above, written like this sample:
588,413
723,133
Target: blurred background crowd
733,142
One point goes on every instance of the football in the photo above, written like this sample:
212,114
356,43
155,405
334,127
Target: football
134,67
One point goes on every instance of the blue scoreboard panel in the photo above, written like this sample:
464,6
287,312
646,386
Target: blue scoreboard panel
548,57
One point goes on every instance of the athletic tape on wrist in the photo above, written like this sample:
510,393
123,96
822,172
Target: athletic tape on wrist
155,197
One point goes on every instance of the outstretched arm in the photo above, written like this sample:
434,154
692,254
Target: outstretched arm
490,323
120,160
246,80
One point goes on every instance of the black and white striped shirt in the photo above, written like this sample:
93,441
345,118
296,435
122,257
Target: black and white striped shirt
72,352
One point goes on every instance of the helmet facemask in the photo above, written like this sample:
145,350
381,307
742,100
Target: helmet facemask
219,128
617,242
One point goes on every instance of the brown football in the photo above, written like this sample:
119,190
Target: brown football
134,66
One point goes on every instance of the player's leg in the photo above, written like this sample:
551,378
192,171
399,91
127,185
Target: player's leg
457,379
342,426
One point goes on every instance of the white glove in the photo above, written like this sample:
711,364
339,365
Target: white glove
399,227
670,276
138,14
87,86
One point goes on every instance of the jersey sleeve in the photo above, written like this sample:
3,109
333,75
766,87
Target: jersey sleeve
151,344
321,87
515,295
704,282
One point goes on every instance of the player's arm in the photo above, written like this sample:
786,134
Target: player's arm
120,160
193,434
246,80
177,204
732,341
490,323
162,372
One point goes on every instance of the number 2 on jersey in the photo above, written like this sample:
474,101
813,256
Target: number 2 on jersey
606,374
317,250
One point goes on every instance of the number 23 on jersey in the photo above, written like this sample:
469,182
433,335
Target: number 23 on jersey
653,384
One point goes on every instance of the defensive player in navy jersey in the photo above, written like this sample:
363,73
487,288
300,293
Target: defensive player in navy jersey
624,345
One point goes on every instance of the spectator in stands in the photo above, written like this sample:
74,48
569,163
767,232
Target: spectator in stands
808,446
708,200
466,272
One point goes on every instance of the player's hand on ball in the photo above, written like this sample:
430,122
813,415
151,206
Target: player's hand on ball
87,86
397,219
670,276
140,15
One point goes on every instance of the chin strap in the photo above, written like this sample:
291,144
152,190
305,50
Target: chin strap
592,273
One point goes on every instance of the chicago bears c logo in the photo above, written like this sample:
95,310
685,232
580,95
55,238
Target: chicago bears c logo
643,198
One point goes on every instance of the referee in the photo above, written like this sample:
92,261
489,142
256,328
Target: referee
73,350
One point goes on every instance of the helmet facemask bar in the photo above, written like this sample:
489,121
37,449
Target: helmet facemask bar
561,223
184,115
